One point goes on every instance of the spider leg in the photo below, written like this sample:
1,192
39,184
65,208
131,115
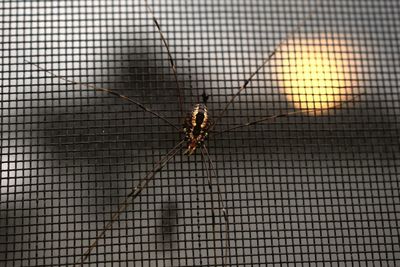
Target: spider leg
171,60
105,90
213,209
210,169
265,62
135,191
288,114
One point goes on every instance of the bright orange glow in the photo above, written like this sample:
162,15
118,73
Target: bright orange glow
316,73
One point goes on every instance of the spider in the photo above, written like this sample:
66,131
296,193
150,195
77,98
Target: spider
197,126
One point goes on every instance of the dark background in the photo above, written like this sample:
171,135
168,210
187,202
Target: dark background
303,190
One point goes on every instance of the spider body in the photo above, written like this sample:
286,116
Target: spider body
196,127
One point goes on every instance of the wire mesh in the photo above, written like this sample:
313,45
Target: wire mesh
302,190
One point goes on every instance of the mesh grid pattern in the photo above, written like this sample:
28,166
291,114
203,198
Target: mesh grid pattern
303,190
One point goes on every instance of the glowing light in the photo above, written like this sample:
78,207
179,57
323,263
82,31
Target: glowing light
316,74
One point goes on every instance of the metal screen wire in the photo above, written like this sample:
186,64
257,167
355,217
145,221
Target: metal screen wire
307,189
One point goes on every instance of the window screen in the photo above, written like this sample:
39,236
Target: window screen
317,186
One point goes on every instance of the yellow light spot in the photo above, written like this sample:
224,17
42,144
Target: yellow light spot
316,74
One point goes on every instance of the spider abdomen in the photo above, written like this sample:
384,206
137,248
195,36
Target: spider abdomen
196,127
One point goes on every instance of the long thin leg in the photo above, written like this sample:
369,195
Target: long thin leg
274,117
171,60
211,172
206,167
267,60
130,198
105,90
